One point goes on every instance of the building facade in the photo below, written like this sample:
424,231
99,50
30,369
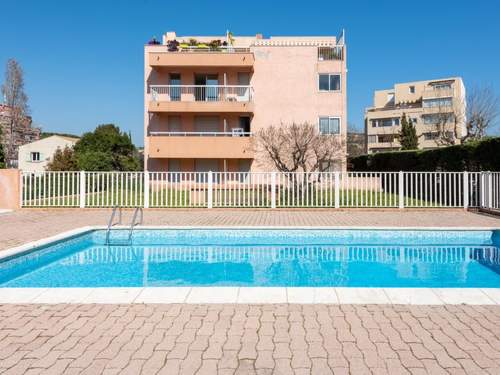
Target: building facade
207,96
34,156
20,134
426,103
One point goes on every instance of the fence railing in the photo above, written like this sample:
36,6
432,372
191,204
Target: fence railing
330,53
201,93
261,189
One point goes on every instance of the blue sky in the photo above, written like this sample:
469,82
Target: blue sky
83,60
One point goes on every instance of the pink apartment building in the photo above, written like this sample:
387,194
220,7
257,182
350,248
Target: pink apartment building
207,96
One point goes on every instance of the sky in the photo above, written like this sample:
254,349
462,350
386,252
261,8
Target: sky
83,60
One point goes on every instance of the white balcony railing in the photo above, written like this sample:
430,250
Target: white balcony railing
209,49
201,93
330,53
201,134
437,93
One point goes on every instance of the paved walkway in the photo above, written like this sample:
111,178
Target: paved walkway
28,225
249,339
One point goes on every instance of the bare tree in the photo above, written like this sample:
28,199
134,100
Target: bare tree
468,119
15,98
298,148
483,109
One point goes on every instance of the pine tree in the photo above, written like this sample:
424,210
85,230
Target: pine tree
408,135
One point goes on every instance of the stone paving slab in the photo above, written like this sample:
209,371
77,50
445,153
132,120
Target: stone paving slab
26,225
258,295
248,339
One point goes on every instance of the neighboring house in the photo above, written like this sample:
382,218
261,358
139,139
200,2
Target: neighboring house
22,133
426,103
204,103
35,156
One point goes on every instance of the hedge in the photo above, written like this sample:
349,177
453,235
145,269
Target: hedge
481,155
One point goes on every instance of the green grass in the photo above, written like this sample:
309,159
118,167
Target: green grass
230,198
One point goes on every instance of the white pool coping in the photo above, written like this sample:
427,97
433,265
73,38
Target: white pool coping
252,295
245,295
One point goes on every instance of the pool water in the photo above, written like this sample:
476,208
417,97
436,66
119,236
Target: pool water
251,257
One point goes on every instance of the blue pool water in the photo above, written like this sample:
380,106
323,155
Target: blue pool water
247,257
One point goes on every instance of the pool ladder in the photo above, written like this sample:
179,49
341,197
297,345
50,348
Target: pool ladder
134,222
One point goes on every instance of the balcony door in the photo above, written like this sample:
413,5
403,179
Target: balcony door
175,89
206,124
243,94
206,87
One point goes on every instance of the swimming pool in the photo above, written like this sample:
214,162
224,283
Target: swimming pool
262,257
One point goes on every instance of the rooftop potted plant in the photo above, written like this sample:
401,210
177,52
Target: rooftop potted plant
153,41
172,45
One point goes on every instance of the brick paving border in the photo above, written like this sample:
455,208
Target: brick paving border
249,339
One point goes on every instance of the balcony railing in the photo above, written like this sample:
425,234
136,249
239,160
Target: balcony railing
438,93
234,133
330,53
221,49
201,93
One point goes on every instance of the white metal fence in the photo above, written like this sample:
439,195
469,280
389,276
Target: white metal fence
261,189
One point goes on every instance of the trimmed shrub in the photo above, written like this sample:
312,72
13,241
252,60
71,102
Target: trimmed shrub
481,155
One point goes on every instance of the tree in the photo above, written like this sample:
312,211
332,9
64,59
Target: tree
298,148
467,119
408,134
15,98
63,160
106,149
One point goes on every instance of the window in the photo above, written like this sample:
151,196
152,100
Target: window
390,98
440,118
329,82
412,89
430,136
386,138
372,139
329,125
442,86
35,156
383,122
438,102
414,120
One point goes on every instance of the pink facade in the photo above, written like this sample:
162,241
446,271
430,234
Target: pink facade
223,94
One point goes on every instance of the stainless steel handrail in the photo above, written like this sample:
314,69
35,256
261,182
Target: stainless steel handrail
133,223
110,222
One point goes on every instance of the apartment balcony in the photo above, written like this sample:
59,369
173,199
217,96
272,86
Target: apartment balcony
437,93
193,56
199,98
201,145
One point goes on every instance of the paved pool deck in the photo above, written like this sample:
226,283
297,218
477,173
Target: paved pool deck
343,336
248,339
27,225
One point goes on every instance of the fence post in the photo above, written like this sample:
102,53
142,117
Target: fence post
21,188
401,190
146,189
466,190
337,189
273,190
490,189
210,189
83,184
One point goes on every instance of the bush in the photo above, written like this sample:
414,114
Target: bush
481,155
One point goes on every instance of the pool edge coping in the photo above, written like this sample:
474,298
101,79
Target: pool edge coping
252,295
